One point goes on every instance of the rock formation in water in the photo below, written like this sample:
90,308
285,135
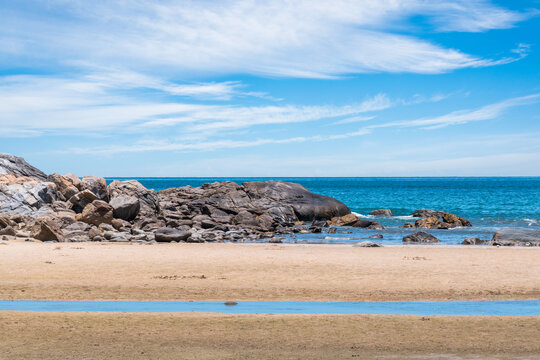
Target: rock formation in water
66,208
381,212
435,219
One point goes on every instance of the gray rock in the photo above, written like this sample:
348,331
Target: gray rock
76,236
307,205
125,207
81,199
24,195
168,235
10,164
97,185
420,237
424,213
367,224
513,237
148,199
382,212
367,244
473,241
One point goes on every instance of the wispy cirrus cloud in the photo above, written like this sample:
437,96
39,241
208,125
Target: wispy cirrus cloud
486,112
306,38
35,105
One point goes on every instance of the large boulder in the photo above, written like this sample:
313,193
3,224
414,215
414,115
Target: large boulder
125,207
46,229
148,199
97,213
81,199
64,186
168,235
420,237
10,164
513,237
307,205
381,212
97,185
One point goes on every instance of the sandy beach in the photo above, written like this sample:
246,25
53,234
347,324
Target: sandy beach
228,271
216,336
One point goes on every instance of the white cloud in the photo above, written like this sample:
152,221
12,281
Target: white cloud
487,112
32,105
210,145
304,38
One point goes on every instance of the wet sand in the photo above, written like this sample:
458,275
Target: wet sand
108,271
215,336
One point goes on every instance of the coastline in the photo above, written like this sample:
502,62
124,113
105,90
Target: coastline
257,272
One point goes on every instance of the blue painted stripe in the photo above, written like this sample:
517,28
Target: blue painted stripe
512,307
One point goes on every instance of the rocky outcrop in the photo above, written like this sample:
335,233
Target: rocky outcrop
516,237
435,219
381,212
420,237
10,164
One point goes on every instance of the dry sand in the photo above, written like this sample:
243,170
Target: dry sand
206,336
265,272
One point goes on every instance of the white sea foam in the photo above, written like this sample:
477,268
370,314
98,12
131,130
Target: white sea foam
362,215
404,217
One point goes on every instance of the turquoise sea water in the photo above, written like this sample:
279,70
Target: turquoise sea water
489,203
516,307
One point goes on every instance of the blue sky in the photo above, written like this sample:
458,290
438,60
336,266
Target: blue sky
272,88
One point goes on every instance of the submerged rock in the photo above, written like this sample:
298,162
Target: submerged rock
381,212
516,237
420,237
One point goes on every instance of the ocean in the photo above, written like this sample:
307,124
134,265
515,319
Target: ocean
489,203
